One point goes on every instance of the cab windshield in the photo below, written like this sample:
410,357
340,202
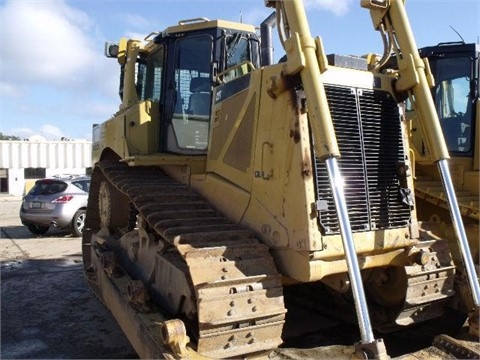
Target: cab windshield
453,101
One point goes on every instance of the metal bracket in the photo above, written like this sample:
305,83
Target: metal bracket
374,350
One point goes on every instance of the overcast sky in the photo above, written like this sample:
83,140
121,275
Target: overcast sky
55,81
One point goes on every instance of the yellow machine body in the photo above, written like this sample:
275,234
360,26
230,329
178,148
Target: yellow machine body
213,189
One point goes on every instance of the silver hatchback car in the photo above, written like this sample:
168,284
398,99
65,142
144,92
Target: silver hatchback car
60,202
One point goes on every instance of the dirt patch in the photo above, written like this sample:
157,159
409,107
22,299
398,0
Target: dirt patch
47,311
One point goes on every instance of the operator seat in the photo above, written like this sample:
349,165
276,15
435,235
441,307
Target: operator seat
199,102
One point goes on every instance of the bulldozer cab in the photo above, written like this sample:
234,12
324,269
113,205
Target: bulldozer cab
179,72
455,68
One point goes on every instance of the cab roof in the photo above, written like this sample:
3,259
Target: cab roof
451,47
204,23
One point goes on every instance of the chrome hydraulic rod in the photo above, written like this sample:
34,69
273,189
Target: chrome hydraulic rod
336,183
459,230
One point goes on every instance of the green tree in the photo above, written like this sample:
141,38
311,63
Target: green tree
8,137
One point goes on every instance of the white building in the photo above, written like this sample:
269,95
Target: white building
22,162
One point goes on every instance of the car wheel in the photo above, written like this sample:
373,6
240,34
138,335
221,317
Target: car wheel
37,229
78,222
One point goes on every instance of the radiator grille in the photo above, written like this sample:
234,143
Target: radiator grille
368,132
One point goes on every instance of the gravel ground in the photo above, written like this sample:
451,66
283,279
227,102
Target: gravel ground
47,311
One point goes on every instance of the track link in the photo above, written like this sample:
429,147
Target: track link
432,191
239,296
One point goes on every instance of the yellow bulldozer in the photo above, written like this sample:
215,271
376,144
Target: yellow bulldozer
225,180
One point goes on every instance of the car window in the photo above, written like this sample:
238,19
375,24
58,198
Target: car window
82,185
48,187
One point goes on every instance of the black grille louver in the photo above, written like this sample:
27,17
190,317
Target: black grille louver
367,127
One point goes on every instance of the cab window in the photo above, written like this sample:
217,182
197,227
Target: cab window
153,76
453,101
240,48
192,93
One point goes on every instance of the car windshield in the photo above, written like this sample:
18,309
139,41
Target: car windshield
48,187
